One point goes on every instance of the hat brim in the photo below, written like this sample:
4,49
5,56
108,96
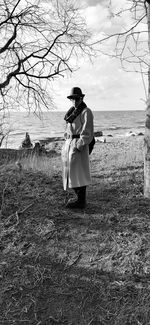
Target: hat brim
75,96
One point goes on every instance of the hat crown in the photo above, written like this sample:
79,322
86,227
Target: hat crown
75,92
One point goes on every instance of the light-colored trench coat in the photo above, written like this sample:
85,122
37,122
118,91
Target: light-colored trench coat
75,152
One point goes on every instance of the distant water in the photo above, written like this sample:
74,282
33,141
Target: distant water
52,124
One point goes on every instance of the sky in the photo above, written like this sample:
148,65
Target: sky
105,84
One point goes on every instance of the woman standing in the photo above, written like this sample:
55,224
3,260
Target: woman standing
75,151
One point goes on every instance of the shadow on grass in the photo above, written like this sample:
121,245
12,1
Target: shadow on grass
51,293
73,267
118,203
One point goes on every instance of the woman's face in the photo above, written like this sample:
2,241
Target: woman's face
76,101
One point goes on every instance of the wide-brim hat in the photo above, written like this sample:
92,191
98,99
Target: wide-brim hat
75,92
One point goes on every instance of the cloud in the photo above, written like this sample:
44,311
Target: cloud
96,17
93,3
105,84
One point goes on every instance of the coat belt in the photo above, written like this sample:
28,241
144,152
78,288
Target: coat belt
73,136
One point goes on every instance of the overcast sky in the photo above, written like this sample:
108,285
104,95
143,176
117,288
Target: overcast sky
105,84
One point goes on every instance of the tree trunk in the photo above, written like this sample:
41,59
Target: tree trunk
147,127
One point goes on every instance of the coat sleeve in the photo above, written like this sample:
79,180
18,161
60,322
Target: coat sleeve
86,133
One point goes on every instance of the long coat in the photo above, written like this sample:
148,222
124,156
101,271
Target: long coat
75,152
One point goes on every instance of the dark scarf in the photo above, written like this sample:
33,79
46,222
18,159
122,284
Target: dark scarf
73,113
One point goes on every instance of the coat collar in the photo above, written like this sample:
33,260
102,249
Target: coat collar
73,113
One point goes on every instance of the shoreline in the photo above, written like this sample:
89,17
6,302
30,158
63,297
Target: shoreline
51,127
99,136
120,147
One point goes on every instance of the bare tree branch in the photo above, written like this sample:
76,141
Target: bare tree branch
37,45
121,33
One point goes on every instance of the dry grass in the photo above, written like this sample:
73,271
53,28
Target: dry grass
47,165
81,268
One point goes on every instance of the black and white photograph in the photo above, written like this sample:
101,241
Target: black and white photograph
74,162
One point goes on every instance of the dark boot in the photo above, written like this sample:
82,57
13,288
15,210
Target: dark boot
72,200
80,203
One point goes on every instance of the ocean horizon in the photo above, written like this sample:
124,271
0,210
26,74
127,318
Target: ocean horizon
51,124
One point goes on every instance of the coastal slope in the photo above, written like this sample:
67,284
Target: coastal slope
75,267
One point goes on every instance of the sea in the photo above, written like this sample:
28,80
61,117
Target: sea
51,124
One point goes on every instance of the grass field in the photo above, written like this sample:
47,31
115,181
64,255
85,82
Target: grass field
90,267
